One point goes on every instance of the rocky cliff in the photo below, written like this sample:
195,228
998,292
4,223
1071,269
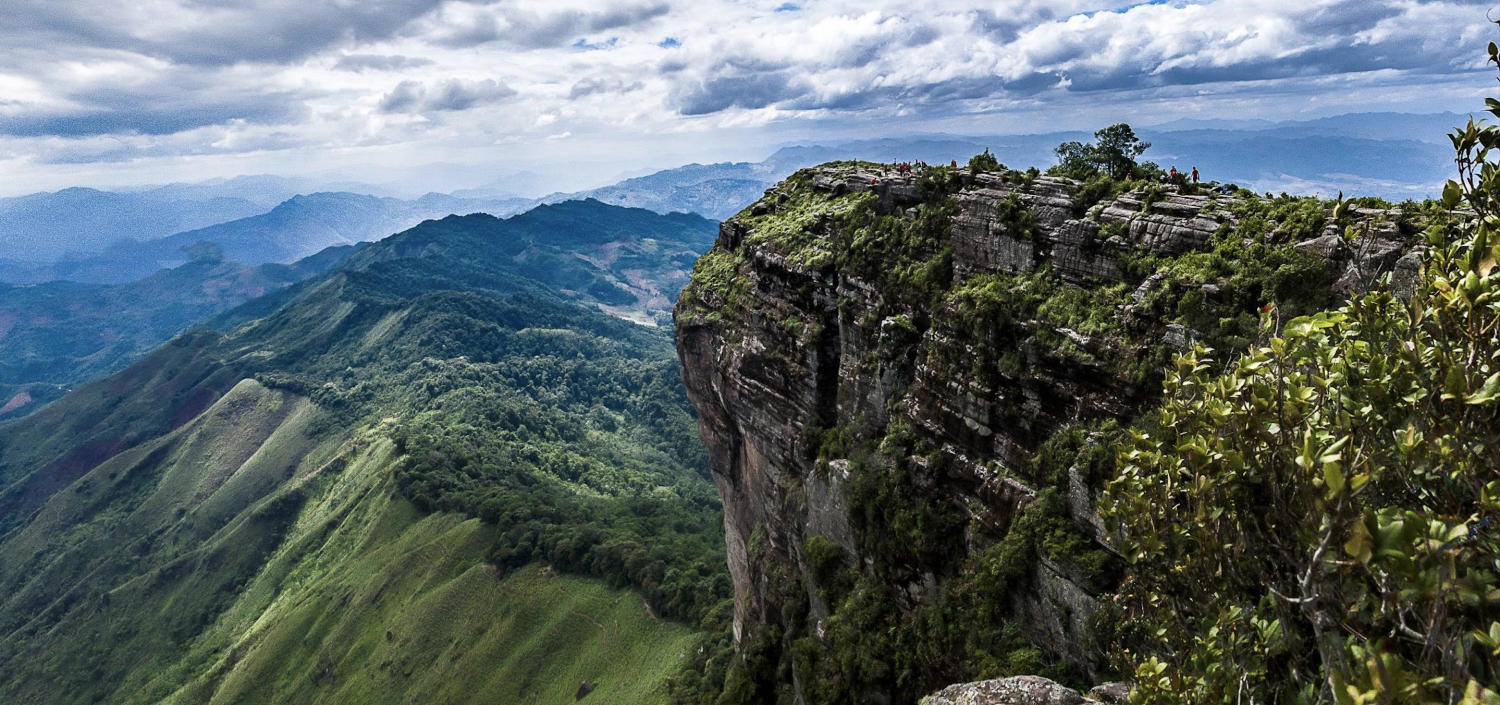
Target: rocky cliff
905,384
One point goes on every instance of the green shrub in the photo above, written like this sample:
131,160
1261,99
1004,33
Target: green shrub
984,163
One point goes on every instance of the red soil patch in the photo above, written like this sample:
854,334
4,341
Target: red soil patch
35,490
196,403
15,402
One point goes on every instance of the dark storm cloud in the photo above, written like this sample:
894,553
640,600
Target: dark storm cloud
448,96
379,62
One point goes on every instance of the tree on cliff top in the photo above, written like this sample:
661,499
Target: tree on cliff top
1113,153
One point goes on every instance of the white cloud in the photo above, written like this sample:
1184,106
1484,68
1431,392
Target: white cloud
336,80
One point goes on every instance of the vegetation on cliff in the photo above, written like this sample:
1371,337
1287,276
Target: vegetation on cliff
1314,520
1112,153
929,594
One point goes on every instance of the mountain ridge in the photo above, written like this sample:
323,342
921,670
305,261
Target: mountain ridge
315,502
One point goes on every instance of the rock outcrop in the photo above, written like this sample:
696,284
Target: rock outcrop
1026,690
1018,690
796,340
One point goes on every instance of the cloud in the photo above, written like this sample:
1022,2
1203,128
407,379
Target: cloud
379,62
146,100
405,97
1150,46
750,91
458,26
586,45
163,77
185,32
595,86
147,119
447,96
953,60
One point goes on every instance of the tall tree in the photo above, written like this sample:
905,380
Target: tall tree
1112,153
1116,148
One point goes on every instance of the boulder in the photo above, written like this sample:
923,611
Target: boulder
1111,693
1018,690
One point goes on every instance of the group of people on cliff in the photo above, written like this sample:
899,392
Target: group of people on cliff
1172,177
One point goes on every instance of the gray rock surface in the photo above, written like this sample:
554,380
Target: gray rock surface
1111,693
1019,690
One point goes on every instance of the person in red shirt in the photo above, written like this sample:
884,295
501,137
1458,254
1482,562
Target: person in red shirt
1195,175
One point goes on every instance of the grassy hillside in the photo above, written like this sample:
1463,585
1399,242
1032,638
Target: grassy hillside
423,477
267,561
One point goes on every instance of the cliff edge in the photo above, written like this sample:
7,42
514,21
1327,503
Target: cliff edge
905,384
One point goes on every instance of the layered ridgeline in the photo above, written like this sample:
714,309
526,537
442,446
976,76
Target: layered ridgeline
54,335
57,334
109,241
427,476
912,389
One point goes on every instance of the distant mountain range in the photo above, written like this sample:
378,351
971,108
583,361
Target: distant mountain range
58,334
627,262
44,227
1392,155
293,229
106,237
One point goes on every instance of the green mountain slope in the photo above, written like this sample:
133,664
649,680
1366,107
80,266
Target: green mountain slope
352,500
629,262
57,334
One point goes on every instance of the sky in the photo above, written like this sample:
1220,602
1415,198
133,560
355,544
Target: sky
444,94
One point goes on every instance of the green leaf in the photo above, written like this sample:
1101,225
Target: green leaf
1333,477
1452,194
1360,545
1486,393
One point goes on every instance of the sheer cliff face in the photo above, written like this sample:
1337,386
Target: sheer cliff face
798,344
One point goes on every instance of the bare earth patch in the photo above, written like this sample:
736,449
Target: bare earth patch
16,402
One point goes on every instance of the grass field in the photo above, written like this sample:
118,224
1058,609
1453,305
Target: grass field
392,606
243,558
